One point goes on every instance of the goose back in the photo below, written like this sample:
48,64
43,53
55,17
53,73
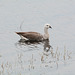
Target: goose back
31,36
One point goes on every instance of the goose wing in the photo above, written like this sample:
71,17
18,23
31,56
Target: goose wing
31,35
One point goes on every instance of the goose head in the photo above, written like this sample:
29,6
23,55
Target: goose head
47,26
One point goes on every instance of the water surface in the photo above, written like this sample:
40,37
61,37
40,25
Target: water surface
18,58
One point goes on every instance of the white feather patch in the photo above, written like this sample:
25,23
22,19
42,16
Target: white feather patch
22,37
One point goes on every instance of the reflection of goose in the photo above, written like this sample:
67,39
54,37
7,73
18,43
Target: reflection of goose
35,36
47,46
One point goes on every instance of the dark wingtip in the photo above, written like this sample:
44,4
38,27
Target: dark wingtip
16,32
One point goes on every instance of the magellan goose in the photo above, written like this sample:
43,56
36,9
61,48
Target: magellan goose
35,36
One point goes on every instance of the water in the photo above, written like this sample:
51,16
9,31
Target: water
18,58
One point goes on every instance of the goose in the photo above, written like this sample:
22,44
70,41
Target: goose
35,36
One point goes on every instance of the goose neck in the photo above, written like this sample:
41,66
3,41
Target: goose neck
45,30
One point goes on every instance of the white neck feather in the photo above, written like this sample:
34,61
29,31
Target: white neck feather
46,35
45,30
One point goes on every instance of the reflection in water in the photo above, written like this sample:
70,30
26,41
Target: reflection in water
45,57
47,49
32,61
22,43
47,46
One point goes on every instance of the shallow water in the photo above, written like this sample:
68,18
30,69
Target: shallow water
19,58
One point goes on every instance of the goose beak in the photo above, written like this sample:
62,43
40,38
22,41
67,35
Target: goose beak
50,27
